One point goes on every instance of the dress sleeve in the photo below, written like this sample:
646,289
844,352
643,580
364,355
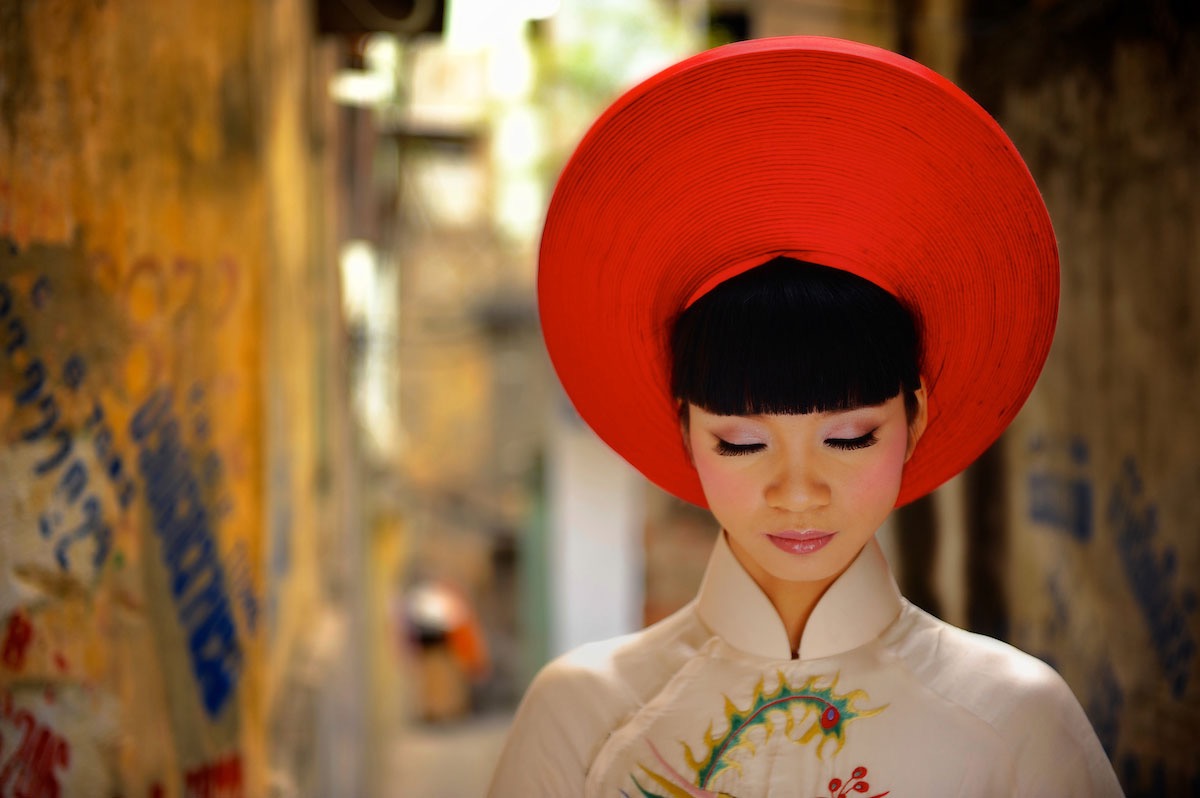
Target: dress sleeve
566,714
1057,751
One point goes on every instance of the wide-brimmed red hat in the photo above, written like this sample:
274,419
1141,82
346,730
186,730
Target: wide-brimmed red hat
829,151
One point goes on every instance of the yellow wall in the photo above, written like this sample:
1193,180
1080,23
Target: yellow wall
144,221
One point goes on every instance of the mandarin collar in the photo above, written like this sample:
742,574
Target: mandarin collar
854,610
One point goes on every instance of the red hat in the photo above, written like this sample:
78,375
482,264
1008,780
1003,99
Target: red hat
826,150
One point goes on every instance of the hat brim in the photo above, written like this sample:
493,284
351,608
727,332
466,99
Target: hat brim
830,151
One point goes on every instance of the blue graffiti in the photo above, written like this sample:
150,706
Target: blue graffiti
111,462
35,380
181,520
1063,501
62,449
1105,706
73,481
17,337
93,526
1060,614
1150,574
40,293
36,394
185,531
211,469
74,371
48,412
69,493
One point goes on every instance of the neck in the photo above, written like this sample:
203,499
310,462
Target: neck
793,601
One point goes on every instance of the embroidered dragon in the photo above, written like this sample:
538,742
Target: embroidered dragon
807,712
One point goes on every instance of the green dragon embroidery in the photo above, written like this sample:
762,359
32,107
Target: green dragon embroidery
807,712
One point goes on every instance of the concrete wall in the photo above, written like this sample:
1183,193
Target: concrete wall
1103,560
157,513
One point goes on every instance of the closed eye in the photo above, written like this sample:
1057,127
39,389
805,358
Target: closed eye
850,444
733,449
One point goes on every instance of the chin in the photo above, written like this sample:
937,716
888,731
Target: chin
819,567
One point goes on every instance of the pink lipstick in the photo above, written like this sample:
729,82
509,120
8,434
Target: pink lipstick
806,542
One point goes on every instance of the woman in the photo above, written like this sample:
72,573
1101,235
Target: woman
799,281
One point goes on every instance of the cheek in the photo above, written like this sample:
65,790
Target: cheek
878,482
724,487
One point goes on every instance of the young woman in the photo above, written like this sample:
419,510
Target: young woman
799,281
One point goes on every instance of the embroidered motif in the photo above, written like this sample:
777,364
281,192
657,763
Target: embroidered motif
856,784
680,788
815,710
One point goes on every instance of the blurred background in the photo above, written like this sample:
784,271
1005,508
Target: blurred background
290,501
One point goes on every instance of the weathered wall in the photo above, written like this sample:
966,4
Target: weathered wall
870,21
141,216
1104,562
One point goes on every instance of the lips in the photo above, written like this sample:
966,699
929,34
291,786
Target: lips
802,542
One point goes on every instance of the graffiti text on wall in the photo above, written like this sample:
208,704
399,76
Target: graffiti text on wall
1151,575
75,513
184,527
31,758
88,489
1105,705
1062,500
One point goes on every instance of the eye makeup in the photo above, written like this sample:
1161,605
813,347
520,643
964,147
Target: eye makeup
850,444
727,449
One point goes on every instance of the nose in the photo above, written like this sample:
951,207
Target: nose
798,485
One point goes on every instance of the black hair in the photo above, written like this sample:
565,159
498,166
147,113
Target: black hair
792,337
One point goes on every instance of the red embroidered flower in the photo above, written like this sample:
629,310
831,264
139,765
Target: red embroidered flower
855,784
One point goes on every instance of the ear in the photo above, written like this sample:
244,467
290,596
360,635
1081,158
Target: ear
916,427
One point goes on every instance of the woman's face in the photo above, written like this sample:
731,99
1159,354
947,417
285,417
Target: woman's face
799,495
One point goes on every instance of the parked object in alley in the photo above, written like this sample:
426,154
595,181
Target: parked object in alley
451,654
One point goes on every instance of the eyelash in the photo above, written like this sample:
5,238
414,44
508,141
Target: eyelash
850,444
727,449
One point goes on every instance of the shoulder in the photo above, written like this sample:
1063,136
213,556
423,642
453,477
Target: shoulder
1025,702
580,697
995,681
628,669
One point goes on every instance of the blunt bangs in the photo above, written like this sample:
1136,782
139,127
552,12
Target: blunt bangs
791,337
